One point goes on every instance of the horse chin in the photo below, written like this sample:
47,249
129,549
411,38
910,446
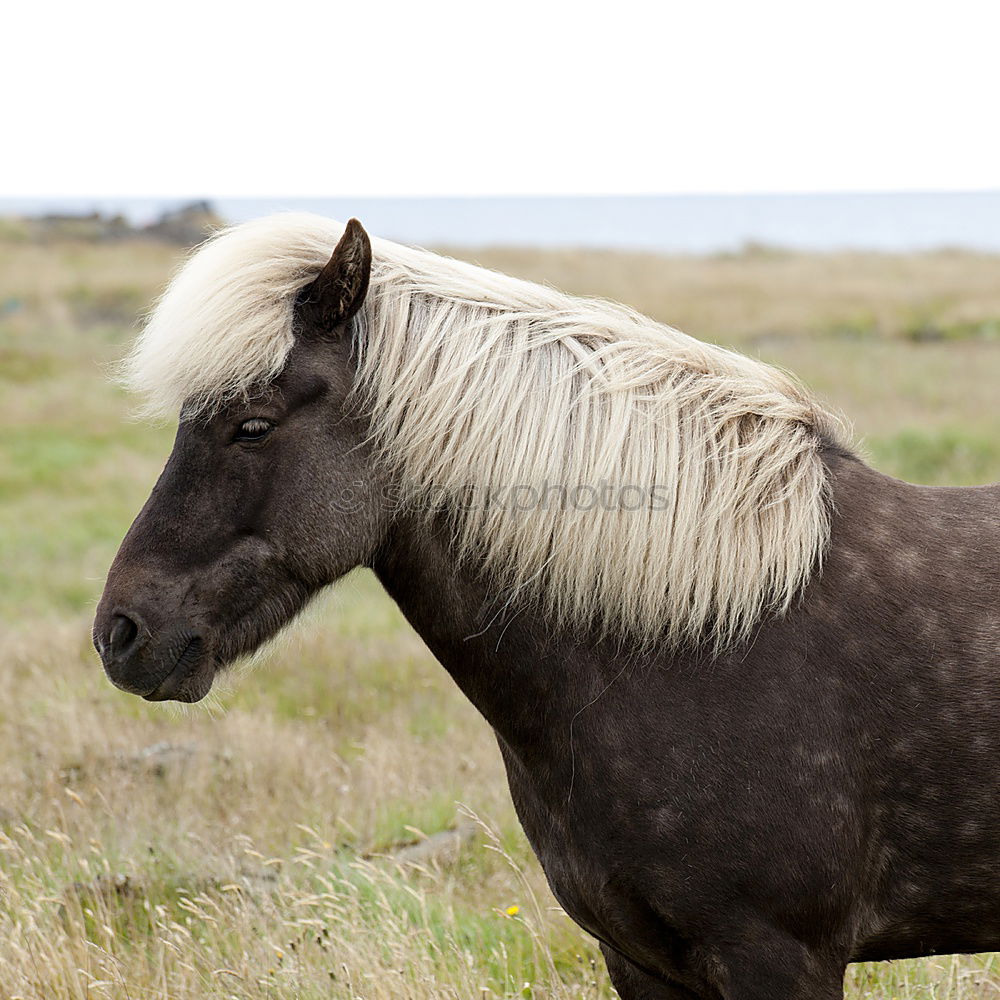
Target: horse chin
190,679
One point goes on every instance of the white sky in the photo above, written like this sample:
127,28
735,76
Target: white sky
509,97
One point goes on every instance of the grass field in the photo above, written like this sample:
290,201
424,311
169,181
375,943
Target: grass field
239,850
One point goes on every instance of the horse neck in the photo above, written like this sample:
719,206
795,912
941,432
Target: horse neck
525,677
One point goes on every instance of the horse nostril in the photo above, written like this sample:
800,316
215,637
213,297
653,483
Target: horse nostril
123,634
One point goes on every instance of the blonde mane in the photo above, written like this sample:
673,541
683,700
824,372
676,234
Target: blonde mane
475,379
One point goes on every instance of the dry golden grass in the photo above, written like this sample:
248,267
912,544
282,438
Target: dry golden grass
235,851
769,293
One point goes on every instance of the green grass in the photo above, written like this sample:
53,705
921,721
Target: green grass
944,456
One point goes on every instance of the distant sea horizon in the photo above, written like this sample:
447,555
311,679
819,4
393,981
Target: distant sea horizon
697,224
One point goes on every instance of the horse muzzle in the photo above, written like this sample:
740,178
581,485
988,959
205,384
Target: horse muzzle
168,664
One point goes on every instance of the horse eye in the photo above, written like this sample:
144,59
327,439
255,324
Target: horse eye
253,429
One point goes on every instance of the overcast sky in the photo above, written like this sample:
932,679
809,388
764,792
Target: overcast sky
507,97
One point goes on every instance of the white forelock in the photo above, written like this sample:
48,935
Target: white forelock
476,379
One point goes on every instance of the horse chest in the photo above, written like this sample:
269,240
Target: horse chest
645,846
576,855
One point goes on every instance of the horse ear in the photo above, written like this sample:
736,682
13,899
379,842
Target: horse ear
339,291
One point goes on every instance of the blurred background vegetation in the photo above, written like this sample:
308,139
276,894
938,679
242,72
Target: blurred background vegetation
255,852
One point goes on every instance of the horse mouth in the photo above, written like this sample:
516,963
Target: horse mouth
190,678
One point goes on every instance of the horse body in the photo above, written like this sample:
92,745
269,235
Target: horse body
732,820
828,794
